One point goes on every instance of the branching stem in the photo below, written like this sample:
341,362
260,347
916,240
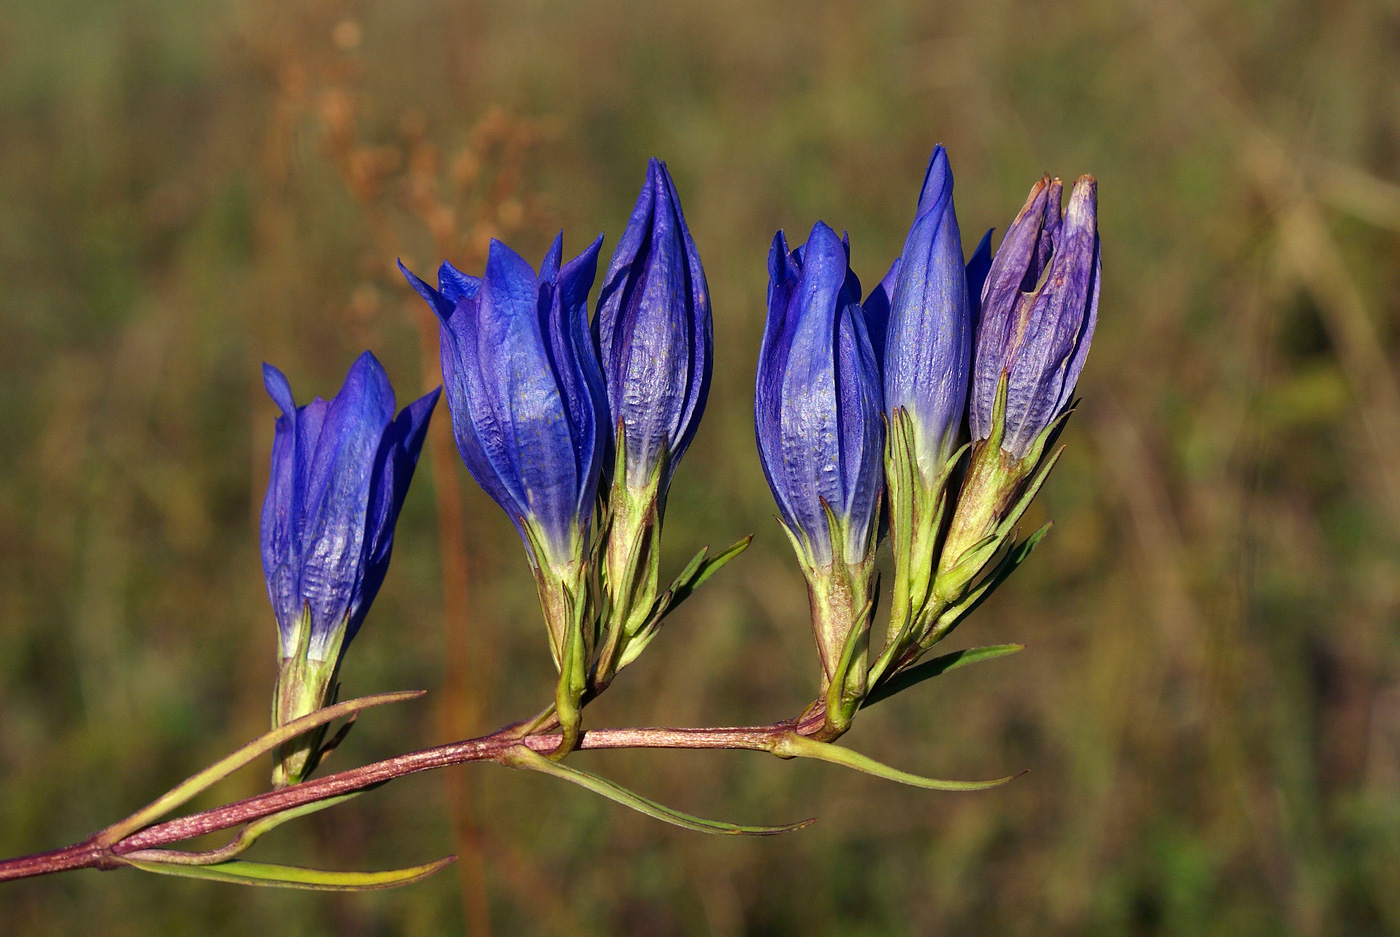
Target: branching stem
93,853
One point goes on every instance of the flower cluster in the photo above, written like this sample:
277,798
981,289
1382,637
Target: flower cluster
936,398
557,420
854,399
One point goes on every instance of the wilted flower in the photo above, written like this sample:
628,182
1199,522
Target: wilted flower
1039,307
820,437
653,335
1038,310
340,470
530,415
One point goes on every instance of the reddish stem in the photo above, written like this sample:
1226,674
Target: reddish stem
89,854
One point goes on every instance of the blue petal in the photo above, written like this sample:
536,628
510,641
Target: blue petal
653,329
549,267
281,505
393,470
701,334
861,431
440,304
877,312
337,498
929,341
778,330
512,404
995,332
799,391
579,376
454,284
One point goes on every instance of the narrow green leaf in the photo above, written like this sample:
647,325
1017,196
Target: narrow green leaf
696,572
686,574
239,872
522,757
195,784
937,667
1033,486
717,562
796,746
1014,558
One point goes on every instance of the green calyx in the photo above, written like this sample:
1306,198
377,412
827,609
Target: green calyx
842,596
941,576
632,607
996,491
304,685
562,585
629,562
602,603
918,500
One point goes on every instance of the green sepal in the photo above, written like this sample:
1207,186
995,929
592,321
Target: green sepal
936,667
916,518
696,572
900,474
846,691
954,578
793,745
240,872
1012,559
304,685
527,759
539,562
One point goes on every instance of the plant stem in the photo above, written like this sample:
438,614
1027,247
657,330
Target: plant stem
91,854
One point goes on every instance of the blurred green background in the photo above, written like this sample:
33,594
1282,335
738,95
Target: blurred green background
1209,704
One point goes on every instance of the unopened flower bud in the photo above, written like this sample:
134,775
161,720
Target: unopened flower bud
340,471
820,437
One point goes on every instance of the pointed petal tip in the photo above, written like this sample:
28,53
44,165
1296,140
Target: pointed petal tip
368,366
502,261
938,180
278,388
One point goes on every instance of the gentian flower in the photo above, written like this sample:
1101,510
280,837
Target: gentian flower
926,366
653,335
525,391
930,333
1038,310
817,417
530,415
340,471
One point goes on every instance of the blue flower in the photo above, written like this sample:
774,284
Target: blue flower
340,470
653,333
928,340
526,393
1038,310
817,404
